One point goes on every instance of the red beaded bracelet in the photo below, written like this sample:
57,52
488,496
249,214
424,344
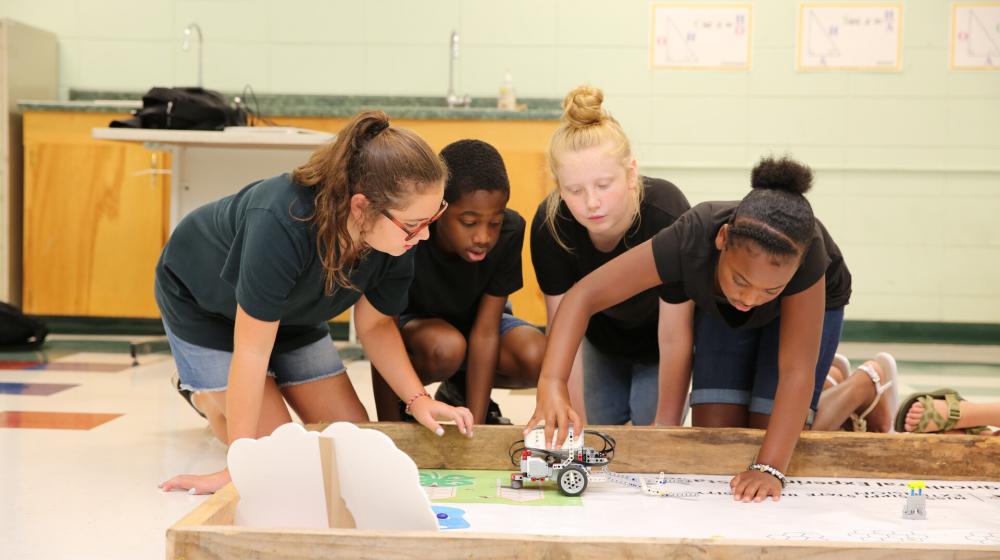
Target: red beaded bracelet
410,402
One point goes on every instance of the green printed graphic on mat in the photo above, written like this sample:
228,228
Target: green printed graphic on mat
489,487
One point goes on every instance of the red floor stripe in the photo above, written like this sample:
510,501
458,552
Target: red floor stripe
54,420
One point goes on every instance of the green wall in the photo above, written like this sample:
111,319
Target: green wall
907,163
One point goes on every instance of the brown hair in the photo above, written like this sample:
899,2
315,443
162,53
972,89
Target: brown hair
384,163
585,124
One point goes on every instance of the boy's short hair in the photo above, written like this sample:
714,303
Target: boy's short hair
473,165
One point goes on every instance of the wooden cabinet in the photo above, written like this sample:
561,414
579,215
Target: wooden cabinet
97,212
95,219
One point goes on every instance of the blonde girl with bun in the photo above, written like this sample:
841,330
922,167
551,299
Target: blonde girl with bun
600,208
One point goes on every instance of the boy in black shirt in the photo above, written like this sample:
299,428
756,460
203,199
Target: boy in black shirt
458,326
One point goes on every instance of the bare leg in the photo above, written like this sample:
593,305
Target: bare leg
331,399
436,350
836,376
273,411
216,415
521,352
853,395
970,415
720,416
759,421
386,401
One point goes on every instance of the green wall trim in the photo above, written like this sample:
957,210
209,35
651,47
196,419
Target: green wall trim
130,326
920,332
854,331
59,324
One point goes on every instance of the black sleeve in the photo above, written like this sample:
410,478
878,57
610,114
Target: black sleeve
507,277
667,253
264,262
813,267
555,267
390,293
667,257
664,202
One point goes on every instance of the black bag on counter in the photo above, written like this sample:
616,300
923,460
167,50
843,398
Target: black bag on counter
187,108
17,329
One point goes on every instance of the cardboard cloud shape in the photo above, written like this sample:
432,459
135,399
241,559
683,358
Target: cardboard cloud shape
296,478
279,479
379,483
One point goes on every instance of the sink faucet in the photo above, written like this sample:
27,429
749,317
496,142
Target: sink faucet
187,45
453,99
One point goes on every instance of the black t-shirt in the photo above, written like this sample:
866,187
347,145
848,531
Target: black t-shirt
445,286
254,249
627,330
686,257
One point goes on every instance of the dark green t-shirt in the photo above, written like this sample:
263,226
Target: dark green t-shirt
253,248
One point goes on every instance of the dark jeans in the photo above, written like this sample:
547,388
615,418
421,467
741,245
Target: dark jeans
740,366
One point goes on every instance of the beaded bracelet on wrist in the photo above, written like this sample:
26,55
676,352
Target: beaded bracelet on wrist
413,399
760,467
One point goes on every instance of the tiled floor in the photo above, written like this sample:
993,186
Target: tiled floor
81,483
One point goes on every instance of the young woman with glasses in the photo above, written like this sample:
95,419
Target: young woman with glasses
246,285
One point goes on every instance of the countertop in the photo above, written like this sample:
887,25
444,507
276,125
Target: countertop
299,105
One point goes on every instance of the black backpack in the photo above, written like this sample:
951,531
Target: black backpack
188,108
17,329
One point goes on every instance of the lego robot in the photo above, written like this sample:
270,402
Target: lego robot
575,465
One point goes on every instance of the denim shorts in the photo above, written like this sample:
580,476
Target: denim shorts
740,366
616,391
507,321
207,369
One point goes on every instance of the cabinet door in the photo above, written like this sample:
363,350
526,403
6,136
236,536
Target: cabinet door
94,225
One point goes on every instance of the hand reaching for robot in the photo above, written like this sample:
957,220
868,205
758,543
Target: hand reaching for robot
428,411
552,407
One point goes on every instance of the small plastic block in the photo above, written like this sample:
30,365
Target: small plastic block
916,503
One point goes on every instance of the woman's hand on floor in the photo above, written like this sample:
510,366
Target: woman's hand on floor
428,411
197,483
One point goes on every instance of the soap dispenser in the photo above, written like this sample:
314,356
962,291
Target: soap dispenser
507,99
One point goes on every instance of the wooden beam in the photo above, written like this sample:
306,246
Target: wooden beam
217,510
207,532
723,451
214,543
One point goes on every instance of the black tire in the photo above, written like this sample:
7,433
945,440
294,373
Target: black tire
572,480
516,484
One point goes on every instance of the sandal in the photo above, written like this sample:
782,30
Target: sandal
843,365
931,414
175,382
888,365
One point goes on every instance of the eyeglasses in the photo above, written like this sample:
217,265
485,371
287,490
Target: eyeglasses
411,233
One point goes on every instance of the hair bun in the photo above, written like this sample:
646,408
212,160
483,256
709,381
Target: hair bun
582,107
783,174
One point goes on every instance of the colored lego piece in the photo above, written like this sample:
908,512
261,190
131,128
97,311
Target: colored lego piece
916,503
